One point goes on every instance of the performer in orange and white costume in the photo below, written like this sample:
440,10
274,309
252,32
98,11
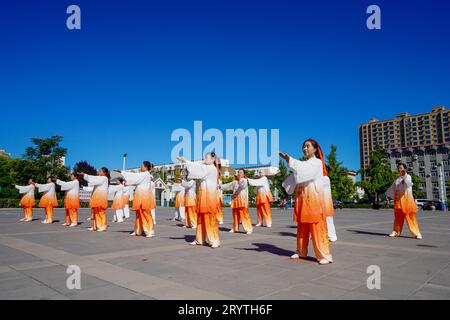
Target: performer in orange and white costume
118,201
307,182
99,198
127,196
239,202
71,200
178,189
219,203
143,201
207,173
48,200
153,195
27,202
329,208
263,200
405,207
190,203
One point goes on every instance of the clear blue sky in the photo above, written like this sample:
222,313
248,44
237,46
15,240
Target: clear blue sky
137,70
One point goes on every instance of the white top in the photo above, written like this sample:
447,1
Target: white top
189,187
99,183
401,185
29,190
303,174
72,187
142,180
261,184
48,188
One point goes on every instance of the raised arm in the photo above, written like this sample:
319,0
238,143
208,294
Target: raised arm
94,180
256,182
133,178
227,186
44,187
304,170
65,186
23,189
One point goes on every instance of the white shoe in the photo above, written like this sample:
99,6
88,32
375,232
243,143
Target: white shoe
23,219
149,235
194,243
89,219
249,232
73,225
101,230
44,222
220,222
194,227
132,234
232,231
65,224
215,245
324,261
394,234
91,229
333,240
258,225
269,226
295,256
419,237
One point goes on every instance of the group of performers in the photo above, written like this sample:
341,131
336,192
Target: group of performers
200,207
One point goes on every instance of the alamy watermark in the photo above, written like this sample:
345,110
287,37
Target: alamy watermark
374,280
252,146
74,280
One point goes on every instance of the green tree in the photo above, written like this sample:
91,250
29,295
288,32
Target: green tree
84,166
47,156
377,176
342,187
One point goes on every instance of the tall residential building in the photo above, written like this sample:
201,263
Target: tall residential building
421,141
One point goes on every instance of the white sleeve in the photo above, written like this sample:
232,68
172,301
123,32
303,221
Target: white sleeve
134,178
242,184
390,191
23,189
93,180
408,180
289,184
67,185
88,189
43,187
304,170
113,188
177,188
256,182
227,186
196,171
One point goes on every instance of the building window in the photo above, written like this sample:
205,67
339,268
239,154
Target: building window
434,174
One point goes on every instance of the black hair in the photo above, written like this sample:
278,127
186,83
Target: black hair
402,164
106,171
148,165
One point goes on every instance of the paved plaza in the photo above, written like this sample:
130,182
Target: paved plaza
34,259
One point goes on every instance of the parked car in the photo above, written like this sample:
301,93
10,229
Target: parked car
432,205
337,204
421,202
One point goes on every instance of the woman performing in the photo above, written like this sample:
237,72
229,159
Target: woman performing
143,201
263,200
307,181
71,200
48,200
27,202
404,204
190,203
207,173
178,189
239,202
99,198
118,203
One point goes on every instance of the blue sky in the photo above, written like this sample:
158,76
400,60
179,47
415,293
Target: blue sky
137,70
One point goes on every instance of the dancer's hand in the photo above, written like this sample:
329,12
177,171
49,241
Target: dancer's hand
285,156
181,159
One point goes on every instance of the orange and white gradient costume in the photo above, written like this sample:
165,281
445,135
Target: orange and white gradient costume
118,201
190,203
405,207
307,182
48,200
207,227
153,195
127,197
99,201
178,189
71,200
27,202
329,208
239,204
143,202
219,204
263,199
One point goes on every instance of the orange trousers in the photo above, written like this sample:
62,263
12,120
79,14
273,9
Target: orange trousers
191,216
411,220
219,213
28,213
144,222
207,229
99,221
49,214
264,213
71,216
242,215
319,238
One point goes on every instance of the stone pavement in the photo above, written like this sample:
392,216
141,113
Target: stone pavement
34,259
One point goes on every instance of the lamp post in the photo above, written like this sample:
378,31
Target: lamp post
442,187
124,161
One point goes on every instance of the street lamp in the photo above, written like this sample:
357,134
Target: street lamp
442,186
124,161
